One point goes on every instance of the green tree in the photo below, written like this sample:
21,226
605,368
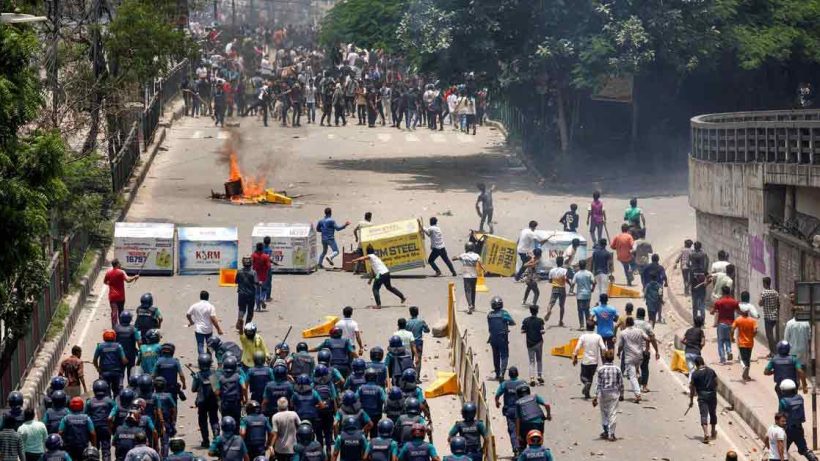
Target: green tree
31,165
367,23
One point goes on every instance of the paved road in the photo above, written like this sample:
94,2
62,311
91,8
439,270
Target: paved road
396,175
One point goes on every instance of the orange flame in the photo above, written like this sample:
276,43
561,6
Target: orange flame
252,187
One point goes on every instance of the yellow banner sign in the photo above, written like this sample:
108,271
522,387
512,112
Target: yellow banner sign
399,244
498,255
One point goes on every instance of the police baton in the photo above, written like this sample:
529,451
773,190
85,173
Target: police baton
687,410
188,366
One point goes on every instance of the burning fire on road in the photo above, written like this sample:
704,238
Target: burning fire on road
245,189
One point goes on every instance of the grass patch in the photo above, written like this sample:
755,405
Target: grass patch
82,269
58,321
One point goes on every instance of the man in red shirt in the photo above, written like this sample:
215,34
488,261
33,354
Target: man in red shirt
261,265
116,278
622,244
724,309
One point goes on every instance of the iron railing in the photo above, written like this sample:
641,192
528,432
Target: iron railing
473,388
783,136
124,161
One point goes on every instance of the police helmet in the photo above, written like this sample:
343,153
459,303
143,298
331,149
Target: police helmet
126,397
176,444
146,300
125,318
377,354
496,303
418,431
145,384
468,411
15,399
409,376
58,398
301,346
385,428
76,404
395,341
91,454
280,372
534,437
335,332
204,361
522,391
230,363
321,371
358,365
412,406
152,336
350,424
54,442
349,398
458,445
109,335
133,380
253,408
214,342
304,434
395,394
283,348
323,356
228,424
787,385
371,375
783,348
168,349
513,372
100,387
302,383
259,358
58,383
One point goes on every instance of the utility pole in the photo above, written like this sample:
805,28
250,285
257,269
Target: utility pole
54,16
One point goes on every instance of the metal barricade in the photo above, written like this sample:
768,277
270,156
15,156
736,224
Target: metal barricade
472,386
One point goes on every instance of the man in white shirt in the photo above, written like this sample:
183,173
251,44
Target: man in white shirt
775,439
407,338
350,328
592,344
472,263
526,243
381,277
202,316
437,248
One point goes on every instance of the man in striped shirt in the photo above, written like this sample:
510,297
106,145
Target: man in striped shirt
770,303
609,384
11,445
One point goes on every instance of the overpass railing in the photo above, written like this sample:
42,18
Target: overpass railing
783,136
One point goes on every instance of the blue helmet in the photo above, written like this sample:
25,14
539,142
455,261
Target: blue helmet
229,364
395,394
280,372
304,433
783,348
377,354
349,398
409,376
147,300
458,445
15,399
395,341
125,318
127,397
385,428
228,424
100,387
54,442
323,356
358,365
58,398
321,371
468,411
58,383
350,424
412,406
303,383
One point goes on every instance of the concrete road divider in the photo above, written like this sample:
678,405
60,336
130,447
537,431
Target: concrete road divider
323,329
567,349
678,361
446,383
620,291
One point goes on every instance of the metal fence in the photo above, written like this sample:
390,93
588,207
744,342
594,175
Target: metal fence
15,357
530,130
472,387
123,162
783,136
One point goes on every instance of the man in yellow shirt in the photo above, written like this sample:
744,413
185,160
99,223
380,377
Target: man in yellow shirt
251,342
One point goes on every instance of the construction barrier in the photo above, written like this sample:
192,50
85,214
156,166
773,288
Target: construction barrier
446,383
467,374
678,362
567,349
481,283
620,291
227,277
323,329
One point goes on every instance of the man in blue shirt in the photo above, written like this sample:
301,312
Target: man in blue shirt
327,227
418,327
605,317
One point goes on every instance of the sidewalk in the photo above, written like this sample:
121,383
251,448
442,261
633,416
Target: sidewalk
755,401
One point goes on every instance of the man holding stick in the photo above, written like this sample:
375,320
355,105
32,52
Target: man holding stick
116,279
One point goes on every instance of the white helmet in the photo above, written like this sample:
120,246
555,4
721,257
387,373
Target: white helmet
787,385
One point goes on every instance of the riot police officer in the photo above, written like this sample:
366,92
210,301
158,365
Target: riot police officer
351,444
149,351
785,366
792,405
259,375
458,448
535,450
178,452
398,360
474,432
231,389
169,368
222,348
110,361
509,391
417,449
356,378
307,447
301,362
377,363
394,405
275,389
100,409
350,406
403,430
229,446
528,414
323,358
124,403
54,414
146,423
341,351
306,401
204,383
408,383
327,393
77,429
129,338
146,393
54,449
382,445
125,435
256,430
167,411
499,322
372,397
148,316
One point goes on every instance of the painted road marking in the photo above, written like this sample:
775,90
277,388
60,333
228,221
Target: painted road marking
438,138
103,295
223,135
331,136
196,135
465,139
384,137
411,138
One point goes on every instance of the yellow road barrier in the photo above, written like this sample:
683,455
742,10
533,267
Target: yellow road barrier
323,329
